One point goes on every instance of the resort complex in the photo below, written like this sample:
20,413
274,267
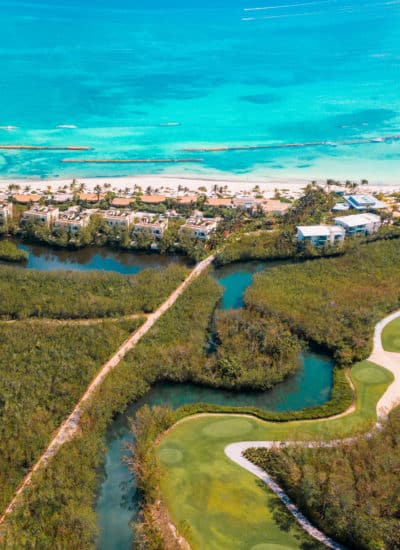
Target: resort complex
200,275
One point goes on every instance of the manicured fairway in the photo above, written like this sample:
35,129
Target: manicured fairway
391,336
217,504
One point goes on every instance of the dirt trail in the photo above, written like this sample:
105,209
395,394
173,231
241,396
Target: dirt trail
70,427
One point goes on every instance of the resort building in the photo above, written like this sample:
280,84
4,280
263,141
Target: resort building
91,197
199,227
26,199
5,212
341,207
246,203
73,220
152,199
320,235
62,198
185,199
359,224
365,202
150,222
122,219
216,202
122,202
42,214
275,207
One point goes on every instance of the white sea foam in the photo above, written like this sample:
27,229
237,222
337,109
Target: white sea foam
285,6
8,128
66,126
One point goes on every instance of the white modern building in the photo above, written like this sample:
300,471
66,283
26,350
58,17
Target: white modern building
199,227
144,221
320,235
359,224
42,214
73,220
122,219
6,210
365,202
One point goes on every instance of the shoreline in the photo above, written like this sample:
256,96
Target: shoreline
167,183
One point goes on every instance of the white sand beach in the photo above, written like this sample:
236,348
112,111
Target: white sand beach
180,184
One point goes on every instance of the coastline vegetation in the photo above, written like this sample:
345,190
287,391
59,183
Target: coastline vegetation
73,295
9,252
44,368
350,491
329,301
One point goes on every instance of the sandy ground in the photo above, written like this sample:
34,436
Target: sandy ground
173,185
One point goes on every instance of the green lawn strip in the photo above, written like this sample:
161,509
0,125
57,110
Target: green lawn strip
391,336
219,505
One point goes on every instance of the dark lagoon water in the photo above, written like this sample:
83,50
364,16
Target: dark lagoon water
46,258
118,504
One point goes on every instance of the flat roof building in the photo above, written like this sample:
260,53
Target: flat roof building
73,220
119,218
199,227
320,235
359,224
365,202
144,221
42,214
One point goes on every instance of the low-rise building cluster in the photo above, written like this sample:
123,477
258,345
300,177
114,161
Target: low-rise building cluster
353,224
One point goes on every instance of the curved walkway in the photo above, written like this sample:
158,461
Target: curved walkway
391,398
70,427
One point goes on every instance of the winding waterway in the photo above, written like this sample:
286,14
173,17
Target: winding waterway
117,505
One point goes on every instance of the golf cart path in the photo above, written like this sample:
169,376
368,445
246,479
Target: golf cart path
391,398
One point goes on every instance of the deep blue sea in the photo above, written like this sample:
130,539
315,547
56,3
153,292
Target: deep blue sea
226,72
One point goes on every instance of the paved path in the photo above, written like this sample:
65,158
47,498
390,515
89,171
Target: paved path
391,398
69,428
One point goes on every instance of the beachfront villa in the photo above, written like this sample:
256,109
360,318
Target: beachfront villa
320,235
5,212
73,220
143,221
199,227
219,202
359,224
42,214
122,219
365,202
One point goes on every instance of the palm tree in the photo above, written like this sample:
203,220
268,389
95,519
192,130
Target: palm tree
98,190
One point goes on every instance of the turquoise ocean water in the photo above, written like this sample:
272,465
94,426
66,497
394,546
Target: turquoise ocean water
226,72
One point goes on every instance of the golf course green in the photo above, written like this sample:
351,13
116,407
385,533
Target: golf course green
391,336
214,503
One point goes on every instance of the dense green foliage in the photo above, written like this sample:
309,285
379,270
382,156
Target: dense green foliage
44,368
58,507
68,295
9,252
330,301
253,351
350,491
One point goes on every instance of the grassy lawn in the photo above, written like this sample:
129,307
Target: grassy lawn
218,505
391,336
